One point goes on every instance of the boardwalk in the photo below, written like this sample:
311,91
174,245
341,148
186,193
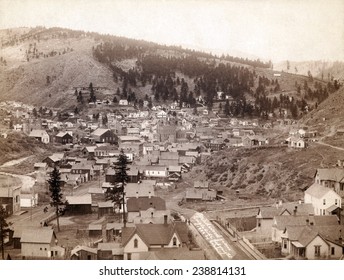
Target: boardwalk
211,235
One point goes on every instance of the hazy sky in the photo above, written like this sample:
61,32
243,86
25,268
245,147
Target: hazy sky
269,29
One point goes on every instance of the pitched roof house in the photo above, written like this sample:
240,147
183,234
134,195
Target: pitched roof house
146,237
40,243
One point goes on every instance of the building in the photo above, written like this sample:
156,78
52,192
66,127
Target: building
10,198
154,205
324,200
41,135
146,237
63,138
40,243
104,135
332,178
79,204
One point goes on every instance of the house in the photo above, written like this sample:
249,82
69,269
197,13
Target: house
109,251
139,190
297,142
88,151
201,185
40,135
161,114
265,215
40,243
332,178
10,198
154,171
79,204
104,135
123,102
105,208
195,195
54,160
95,230
313,242
105,151
63,138
282,221
137,204
324,200
83,253
254,140
86,169
147,237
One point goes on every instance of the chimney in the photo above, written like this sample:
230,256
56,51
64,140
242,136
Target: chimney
295,210
165,219
137,194
149,195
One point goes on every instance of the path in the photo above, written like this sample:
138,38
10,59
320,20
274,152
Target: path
334,147
27,182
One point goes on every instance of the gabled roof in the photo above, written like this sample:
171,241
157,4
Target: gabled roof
155,234
281,222
39,235
79,248
318,191
38,133
79,200
140,190
100,131
62,134
330,174
143,203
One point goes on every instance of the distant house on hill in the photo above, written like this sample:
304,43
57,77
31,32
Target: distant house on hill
104,135
40,135
123,102
63,138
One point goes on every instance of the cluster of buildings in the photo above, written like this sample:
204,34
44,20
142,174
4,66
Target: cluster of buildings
312,229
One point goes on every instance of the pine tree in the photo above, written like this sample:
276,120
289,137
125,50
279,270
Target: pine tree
116,194
4,229
55,193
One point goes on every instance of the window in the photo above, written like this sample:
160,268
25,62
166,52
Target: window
129,256
324,212
324,201
317,251
285,244
136,243
335,201
342,186
332,250
174,241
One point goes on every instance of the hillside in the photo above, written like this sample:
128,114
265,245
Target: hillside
18,145
42,67
320,69
276,173
26,79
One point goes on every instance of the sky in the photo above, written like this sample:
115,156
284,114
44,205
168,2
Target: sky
294,30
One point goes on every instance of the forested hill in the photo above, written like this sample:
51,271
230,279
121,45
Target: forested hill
43,67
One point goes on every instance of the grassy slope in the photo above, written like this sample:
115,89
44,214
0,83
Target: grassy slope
276,173
26,81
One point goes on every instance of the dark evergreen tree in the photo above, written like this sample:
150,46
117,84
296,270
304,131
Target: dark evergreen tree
4,229
116,193
55,193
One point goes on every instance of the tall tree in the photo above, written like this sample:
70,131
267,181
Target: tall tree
116,193
4,229
55,193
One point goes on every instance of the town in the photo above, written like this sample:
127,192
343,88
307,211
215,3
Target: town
165,213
